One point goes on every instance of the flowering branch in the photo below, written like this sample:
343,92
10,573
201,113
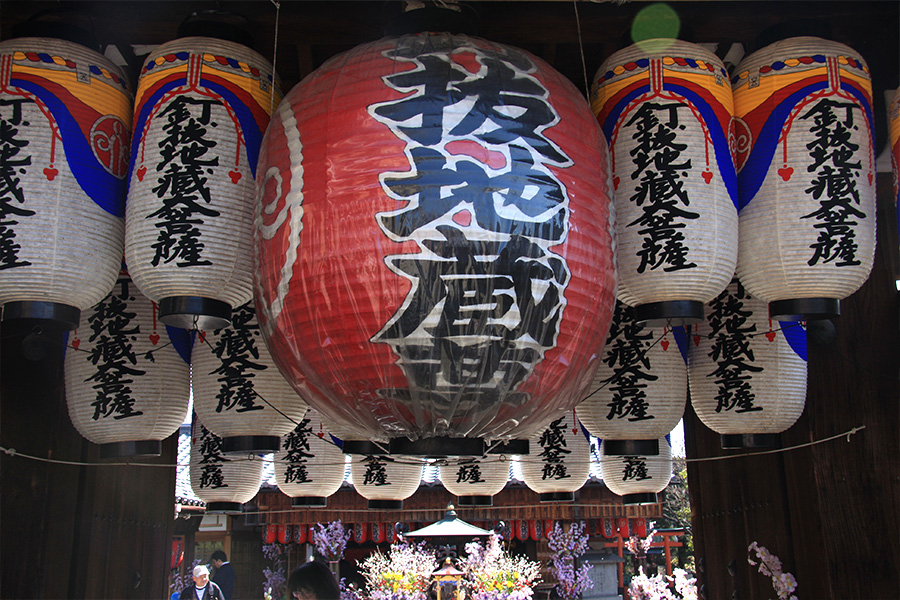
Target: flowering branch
639,546
770,566
493,574
567,547
331,540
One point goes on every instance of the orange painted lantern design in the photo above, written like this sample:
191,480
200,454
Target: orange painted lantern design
434,242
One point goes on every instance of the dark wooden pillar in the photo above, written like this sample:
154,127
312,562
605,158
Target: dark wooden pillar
830,511
69,531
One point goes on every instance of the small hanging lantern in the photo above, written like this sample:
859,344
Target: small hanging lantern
65,113
559,462
385,481
201,108
475,480
451,269
308,467
640,389
127,375
637,478
807,176
223,483
238,391
666,108
747,372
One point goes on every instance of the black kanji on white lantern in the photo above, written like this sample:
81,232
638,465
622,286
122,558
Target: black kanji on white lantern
385,481
559,460
65,117
475,480
309,467
637,478
223,483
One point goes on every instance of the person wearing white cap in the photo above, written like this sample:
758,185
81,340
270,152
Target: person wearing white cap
203,588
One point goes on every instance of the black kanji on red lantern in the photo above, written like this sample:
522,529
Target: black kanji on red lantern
296,444
182,185
238,350
211,459
12,165
113,354
487,292
832,153
554,451
660,190
628,345
731,351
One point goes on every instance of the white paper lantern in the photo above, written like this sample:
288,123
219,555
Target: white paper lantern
127,375
65,112
637,478
747,373
559,462
807,176
385,481
640,389
238,391
309,467
475,480
223,483
202,106
666,108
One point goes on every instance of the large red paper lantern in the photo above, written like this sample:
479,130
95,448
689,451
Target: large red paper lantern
434,241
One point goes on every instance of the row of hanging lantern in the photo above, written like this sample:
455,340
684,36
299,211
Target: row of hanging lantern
796,223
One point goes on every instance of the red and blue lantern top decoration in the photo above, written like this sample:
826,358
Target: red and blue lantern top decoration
65,113
435,242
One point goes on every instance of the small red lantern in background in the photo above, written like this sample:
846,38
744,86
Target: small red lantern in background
434,243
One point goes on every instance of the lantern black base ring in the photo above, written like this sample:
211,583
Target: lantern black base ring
631,447
385,504
65,315
438,446
310,501
805,309
639,498
669,312
519,447
362,447
738,441
475,501
253,444
194,312
557,497
223,507
130,449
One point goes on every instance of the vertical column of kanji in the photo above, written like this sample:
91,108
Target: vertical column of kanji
309,467
475,480
385,481
806,182
559,462
202,106
239,393
65,121
222,482
127,374
637,478
640,389
747,372
666,109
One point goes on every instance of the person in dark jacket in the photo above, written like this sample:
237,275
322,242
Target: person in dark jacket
313,581
224,575
203,588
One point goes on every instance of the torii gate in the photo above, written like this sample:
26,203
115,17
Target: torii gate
666,544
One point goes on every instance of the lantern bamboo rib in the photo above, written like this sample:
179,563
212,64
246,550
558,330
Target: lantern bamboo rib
13,452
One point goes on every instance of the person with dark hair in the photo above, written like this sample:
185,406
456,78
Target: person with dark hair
224,576
313,581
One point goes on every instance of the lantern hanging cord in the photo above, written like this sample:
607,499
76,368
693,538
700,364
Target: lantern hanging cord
274,56
587,86
846,434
